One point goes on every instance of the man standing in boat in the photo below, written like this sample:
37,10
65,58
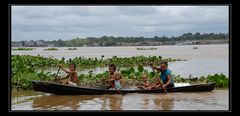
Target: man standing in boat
165,75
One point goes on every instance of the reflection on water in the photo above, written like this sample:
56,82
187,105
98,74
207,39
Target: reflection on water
158,102
56,102
83,102
102,102
216,100
166,104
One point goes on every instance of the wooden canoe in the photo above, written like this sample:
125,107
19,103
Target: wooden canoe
60,89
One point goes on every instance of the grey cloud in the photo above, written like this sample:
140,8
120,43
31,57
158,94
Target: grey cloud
137,10
54,22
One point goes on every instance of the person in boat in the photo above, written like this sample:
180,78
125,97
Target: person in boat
165,75
111,70
145,85
157,84
71,77
118,81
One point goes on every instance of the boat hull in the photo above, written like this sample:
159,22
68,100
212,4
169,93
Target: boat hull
59,89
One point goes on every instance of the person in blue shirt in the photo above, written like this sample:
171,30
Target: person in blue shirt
165,75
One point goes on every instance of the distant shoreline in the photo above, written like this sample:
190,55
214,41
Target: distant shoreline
184,39
116,46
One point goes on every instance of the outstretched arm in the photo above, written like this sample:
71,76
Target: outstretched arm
67,71
61,66
154,68
66,76
111,79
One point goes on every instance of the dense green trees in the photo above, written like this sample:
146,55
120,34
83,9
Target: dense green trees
113,41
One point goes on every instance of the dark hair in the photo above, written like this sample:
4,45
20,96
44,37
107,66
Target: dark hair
74,65
112,65
164,62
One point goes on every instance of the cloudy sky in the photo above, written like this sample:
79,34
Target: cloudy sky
67,22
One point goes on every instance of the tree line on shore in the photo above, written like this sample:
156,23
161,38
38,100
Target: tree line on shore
124,41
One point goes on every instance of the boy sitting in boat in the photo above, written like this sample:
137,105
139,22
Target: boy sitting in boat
71,77
111,70
145,85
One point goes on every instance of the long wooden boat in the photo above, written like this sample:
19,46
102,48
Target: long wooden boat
59,89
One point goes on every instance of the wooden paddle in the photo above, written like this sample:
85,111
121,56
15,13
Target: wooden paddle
113,87
57,72
165,91
158,69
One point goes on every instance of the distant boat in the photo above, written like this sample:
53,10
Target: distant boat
195,47
146,48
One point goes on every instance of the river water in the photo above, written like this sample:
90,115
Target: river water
31,100
207,59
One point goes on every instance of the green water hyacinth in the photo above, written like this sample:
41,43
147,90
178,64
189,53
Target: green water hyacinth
82,62
50,49
25,68
23,49
72,49
146,48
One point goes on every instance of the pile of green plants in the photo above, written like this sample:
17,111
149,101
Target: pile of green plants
23,49
51,49
220,79
34,61
25,68
22,74
72,49
41,61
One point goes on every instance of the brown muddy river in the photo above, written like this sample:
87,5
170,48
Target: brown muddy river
31,100
207,59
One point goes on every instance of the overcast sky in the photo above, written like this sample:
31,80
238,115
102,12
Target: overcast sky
67,22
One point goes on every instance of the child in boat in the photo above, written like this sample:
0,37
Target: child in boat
118,82
72,75
145,84
155,85
111,70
